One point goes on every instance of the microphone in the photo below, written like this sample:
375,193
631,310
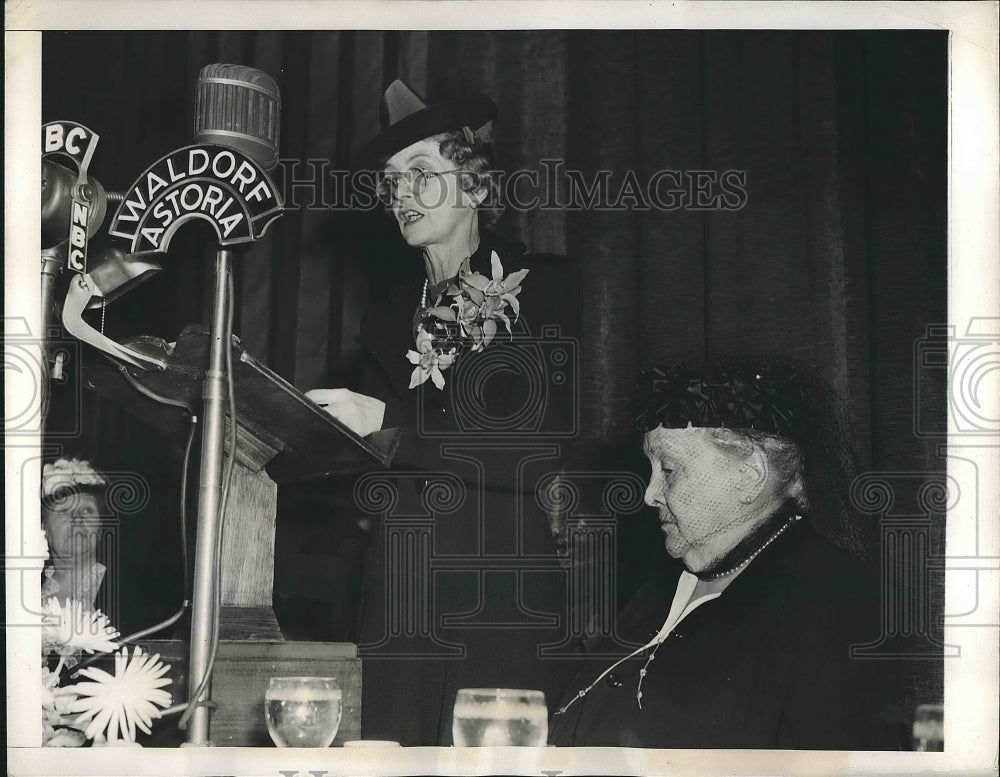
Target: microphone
236,107
222,178
239,107
57,200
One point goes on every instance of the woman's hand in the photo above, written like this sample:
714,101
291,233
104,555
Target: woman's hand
359,413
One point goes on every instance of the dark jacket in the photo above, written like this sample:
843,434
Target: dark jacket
766,665
462,585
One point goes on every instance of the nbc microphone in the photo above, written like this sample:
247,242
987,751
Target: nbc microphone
57,200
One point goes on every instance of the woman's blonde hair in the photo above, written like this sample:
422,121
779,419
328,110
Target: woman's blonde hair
476,156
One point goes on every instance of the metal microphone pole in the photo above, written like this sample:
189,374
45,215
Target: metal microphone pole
53,260
203,614
238,108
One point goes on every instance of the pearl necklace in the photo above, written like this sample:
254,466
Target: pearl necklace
752,556
423,294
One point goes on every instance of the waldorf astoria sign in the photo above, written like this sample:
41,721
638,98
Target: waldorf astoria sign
214,183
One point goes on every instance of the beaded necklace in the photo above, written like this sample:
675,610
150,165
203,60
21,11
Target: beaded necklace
752,556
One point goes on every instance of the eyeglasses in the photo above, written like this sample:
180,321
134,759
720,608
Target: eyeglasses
387,187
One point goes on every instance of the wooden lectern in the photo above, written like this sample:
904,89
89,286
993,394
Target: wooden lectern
281,437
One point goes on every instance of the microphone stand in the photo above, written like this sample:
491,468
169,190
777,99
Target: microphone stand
206,584
53,261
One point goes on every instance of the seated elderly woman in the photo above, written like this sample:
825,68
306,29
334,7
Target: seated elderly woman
746,643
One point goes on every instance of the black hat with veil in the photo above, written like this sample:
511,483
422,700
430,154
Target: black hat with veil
769,395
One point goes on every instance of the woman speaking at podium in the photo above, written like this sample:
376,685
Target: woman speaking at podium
462,584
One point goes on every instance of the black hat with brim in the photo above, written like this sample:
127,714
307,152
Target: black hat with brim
406,118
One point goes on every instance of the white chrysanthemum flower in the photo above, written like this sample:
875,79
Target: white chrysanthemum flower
49,681
69,472
122,701
45,545
57,721
68,628
101,741
62,737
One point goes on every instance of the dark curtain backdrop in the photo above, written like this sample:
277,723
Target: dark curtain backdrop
838,256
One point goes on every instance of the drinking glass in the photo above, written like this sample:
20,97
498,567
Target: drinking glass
491,717
303,711
928,728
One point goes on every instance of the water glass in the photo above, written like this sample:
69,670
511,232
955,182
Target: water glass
928,728
303,711
496,717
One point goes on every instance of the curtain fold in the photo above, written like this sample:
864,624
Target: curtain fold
601,145
670,256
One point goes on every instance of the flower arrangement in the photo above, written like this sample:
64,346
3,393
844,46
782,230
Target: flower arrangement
466,323
109,708
104,708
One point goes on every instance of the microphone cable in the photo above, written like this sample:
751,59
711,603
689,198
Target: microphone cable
186,602
189,707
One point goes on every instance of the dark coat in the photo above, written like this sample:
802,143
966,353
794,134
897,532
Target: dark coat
766,665
462,583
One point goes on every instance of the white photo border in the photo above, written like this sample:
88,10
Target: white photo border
973,575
